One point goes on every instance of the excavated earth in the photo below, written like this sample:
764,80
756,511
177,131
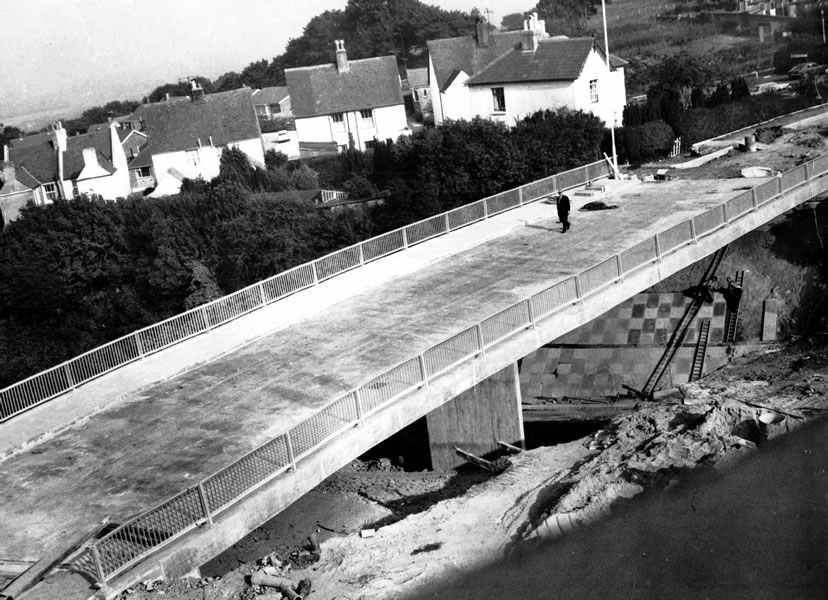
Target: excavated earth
549,492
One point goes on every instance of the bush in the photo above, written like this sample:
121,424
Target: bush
656,138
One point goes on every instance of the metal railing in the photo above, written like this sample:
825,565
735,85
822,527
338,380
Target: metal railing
201,503
66,376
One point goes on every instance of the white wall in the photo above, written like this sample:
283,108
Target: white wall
389,122
523,99
209,158
436,100
456,100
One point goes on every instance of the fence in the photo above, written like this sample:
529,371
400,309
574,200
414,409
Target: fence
58,380
199,504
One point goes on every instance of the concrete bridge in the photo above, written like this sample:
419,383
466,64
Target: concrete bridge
225,429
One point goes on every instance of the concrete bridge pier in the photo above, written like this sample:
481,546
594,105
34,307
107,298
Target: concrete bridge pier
477,419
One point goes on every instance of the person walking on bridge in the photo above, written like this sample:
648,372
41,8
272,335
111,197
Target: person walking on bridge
562,204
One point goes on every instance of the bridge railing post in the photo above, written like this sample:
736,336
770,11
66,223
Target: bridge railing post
531,307
68,372
423,372
693,231
203,312
520,196
291,455
361,255
620,266
405,238
448,223
480,346
657,248
315,274
139,346
724,215
96,560
754,201
205,505
578,288
262,294
360,412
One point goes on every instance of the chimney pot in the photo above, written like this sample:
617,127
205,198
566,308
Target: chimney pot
341,57
90,157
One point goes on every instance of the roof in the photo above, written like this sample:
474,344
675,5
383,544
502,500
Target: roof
226,117
451,56
418,77
322,90
270,95
555,59
38,160
30,140
75,145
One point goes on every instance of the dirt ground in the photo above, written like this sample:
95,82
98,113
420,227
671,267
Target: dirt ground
548,492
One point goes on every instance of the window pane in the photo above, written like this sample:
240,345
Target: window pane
498,99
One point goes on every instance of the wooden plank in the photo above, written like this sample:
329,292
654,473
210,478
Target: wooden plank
576,412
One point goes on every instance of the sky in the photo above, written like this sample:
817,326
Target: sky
60,56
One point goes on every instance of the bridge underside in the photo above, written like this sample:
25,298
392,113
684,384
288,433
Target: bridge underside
250,396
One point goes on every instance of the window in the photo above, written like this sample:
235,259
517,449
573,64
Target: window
275,108
193,158
75,191
366,118
593,90
144,172
51,191
338,122
424,92
261,111
499,99
370,144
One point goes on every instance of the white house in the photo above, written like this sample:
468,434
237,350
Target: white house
452,61
350,103
186,136
52,165
549,73
536,73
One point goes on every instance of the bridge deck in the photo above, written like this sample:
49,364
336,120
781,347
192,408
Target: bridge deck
154,443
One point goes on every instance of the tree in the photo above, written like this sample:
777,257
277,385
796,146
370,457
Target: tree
575,13
9,133
512,22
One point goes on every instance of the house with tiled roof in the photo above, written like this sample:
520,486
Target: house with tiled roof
272,102
53,165
537,72
349,103
185,138
549,73
452,61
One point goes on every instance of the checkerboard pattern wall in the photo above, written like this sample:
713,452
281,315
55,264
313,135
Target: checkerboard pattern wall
622,346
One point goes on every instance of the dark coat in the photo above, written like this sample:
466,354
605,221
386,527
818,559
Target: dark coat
563,204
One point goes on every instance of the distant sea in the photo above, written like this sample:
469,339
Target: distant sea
36,120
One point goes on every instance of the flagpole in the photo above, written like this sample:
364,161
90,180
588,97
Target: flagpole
607,54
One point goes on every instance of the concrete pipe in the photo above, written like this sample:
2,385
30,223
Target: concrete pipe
286,586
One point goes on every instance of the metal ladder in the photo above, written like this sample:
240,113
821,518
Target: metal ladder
732,318
681,330
701,350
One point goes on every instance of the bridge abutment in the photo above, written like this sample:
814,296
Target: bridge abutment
477,419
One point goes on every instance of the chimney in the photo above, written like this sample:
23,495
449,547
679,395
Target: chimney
540,26
90,158
59,135
528,37
482,34
168,96
196,92
341,57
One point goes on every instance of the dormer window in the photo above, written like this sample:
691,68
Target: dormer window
338,122
51,191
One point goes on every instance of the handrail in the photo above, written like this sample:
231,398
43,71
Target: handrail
144,534
46,385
